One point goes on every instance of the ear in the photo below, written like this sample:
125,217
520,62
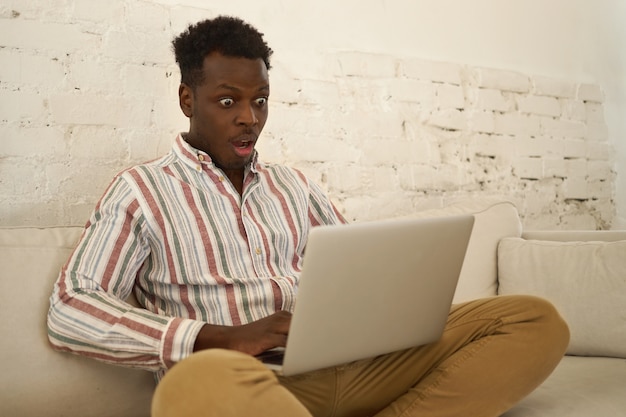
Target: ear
185,99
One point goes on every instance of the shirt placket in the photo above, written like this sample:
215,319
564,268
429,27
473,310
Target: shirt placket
256,245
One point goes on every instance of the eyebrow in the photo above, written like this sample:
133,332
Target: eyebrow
233,88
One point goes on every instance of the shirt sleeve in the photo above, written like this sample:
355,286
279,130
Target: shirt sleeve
88,313
321,209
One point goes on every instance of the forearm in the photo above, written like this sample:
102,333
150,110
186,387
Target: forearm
98,325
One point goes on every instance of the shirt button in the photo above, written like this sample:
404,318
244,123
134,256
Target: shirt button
221,178
201,157
199,168
258,251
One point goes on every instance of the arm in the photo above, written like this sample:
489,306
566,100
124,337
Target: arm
87,313
88,316
321,209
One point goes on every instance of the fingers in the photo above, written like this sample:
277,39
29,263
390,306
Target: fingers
280,321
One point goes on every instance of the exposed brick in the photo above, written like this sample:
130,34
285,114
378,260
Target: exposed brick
449,119
502,80
490,99
527,146
95,85
590,92
431,71
597,131
149,16
284,87
362,64
546,106
315,149
544,86
46,36
554,167
149,80
600,189
553,145
318,92
404,89
383,151
32,212
563,128
481,121
517,124
528,168
182,16
108,11
494,146
576,167
165,113
449,96
23,141
599,150
138,47
594,112
21,106
146,144
574,109
353,178
97,143
574,148
598,170
417,177
94,109
30,71
363,125
80,187
578,221
87,74
449,177
576,188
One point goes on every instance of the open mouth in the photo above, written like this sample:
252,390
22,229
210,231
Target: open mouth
243,146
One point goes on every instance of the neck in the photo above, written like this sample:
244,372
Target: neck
236,178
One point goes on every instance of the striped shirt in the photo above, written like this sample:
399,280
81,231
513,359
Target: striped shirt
177,234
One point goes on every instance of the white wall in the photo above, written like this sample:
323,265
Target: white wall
89,87
580,40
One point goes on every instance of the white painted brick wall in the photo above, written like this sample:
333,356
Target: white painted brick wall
88,88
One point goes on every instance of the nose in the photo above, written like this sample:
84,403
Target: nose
247,116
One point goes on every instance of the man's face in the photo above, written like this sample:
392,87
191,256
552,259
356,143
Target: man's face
228,110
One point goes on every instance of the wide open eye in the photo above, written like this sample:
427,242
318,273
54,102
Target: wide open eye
261,101
227,101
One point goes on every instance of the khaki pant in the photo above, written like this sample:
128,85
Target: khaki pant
493,352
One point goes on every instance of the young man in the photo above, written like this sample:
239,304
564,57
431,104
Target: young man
210,240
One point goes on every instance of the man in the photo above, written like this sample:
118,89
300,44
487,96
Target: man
210,240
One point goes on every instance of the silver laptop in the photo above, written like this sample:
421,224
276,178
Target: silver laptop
372,288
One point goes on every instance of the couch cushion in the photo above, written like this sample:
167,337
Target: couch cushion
35,380
494,220
578,387
586,281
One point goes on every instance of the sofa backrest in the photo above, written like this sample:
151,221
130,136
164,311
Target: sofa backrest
35,380
493,221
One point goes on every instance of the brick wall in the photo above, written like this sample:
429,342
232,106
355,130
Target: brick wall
90,88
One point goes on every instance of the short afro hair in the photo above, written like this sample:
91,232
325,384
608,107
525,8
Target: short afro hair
227,35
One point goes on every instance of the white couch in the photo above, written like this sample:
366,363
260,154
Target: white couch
585,278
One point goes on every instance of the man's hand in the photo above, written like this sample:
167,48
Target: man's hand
252,338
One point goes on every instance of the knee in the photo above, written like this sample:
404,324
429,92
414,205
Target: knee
205,382
545,322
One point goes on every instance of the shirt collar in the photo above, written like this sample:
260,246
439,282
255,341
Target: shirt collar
195,158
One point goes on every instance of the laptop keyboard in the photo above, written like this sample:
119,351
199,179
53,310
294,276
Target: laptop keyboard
273,356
